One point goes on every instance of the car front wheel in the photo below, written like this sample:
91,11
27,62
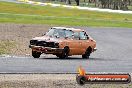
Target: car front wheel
64,53
36,54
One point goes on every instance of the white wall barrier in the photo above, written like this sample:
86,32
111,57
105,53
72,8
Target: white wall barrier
75,7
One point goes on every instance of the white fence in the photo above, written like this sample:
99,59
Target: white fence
75,7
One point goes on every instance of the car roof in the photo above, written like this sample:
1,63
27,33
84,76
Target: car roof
66,28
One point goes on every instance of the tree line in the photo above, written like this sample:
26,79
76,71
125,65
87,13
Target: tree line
110,4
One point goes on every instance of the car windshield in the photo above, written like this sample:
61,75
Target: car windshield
60,33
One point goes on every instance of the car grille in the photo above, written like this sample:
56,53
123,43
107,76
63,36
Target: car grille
43,43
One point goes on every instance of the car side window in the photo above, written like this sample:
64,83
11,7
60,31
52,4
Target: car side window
83,36
68,33
76,35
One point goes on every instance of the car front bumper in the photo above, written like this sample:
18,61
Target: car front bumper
46,50
94,49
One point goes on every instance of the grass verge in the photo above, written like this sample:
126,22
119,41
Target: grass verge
6,46
33,14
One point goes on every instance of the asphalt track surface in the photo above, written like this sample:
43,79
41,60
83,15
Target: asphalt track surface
114,54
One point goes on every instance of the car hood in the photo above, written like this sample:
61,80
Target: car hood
47,38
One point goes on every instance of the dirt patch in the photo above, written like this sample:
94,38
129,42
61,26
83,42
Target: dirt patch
20,34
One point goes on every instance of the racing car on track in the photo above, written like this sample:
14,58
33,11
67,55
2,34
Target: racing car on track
63,42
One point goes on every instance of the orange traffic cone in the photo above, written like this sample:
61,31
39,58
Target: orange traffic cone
81,71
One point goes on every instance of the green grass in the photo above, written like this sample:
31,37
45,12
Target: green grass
62,16
6,46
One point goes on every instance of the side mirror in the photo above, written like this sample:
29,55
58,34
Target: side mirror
56,35
73,36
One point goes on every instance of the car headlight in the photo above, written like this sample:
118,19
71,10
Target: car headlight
33,42
56,45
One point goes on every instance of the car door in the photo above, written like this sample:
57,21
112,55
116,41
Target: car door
84,41
75,44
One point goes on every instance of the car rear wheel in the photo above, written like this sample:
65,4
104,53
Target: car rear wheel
87,53
64,53
36,54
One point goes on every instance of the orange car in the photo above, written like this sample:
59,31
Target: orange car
63,42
